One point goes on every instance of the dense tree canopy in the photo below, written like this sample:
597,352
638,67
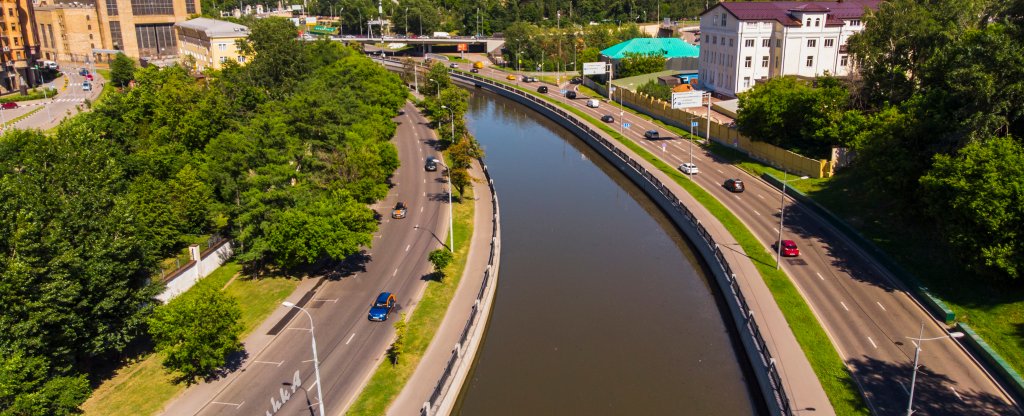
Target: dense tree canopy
284,158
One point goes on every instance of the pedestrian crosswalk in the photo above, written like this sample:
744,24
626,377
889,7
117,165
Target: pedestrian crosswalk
69,100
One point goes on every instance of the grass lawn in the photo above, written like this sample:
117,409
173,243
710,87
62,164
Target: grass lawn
388,380
838,385
143,387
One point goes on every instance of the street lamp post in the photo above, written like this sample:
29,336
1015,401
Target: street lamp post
316,361
451,220
917,355
438,88
453,120
782,214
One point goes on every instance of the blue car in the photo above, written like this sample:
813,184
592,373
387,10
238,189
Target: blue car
381,307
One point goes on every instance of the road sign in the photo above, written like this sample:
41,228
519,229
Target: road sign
687,99
694,124
625,125
593,68
562,91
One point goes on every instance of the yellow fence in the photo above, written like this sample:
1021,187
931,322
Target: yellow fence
772,155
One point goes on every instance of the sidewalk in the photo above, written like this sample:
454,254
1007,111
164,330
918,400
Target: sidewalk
420,386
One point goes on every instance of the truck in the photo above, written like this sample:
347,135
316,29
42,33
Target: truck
442,35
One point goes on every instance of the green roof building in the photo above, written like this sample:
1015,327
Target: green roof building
679,55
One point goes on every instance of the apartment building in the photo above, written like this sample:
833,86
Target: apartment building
746,42
210,42
68,31
143,28
20,47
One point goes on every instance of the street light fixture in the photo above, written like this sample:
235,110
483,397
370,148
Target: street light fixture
316,361
438,88
917,355
782,214
451,220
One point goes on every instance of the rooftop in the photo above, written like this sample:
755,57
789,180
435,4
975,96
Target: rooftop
215,28
667,47
784,11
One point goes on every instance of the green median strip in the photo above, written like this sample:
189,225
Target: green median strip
12,121
144,388
388,380
833,374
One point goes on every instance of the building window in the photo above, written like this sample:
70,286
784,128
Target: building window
190,6
748,43
812,43
810,61
817,22
156,39
808,22
90,36
111,7
747,62
115,35
42,29
724,20
222,46
16,42
714,40
764,61
152,7
855,22
844,60
223,59
767,43
746,82
86,18
778,43
241,59
706,37
10,12
53,40
89,27
829,42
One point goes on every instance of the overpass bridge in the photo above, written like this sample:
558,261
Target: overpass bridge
432,45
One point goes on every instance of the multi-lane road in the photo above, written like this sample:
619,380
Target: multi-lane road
349,345
868,315
68,101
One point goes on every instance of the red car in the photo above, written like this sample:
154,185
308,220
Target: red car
8,106
789,249
88,77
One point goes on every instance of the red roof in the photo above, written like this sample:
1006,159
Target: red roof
783,11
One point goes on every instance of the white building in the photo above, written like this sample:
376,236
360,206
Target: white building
744,42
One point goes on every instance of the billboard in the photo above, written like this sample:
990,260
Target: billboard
462,47
593,68
687,99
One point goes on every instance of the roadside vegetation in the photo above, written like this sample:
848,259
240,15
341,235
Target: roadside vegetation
283,156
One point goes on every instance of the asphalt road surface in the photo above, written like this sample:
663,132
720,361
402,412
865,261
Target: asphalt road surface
868,316
350,346
66,103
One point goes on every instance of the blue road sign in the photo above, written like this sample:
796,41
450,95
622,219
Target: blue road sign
563,91
694,124
625,125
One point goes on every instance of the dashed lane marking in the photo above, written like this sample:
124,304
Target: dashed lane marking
955,393
274,363
350,338
844,306
394,273
237,405
819,275
755,211
872,342
407,247
880,305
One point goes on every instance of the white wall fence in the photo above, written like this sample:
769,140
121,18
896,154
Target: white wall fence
202,264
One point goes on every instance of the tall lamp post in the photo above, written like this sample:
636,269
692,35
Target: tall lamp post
782,214
453,120
451,220
438,88
316,361
917,355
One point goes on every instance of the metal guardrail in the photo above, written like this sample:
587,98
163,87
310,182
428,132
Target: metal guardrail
764,361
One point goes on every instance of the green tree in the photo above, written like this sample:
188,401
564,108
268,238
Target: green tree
654,89
440,258
279,60
196,331
398,346
977,195
633,64
122,70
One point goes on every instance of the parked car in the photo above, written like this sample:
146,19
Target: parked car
570,95
475,71
511,77
382,307
83,72
734,185
543,89
431,164
607,118
689,168
789,249
651,134
8,106
399,211
88,77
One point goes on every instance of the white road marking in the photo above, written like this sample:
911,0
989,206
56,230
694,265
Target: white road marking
424,194
237,405
957,394
760,196
307,361
407,247
395,272
335,300
421,208
872,342
350,338
844,306
719,171
880,305
424,180
819,275
755,211
275,363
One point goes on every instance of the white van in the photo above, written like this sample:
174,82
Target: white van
50,65
593,103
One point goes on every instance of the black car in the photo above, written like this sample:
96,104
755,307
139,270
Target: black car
475,71
529,79
734,185
607,118
651,134
542,89
431,164
570,94
576,80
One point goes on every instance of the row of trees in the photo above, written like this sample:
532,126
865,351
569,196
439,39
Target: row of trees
284,155
446,104
935,119
531,46
485,16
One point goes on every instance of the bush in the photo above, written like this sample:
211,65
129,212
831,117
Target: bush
441,258
196,331
656,90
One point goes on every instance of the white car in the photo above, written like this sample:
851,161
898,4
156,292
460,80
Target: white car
689,168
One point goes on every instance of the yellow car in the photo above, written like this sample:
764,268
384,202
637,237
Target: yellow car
511,77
